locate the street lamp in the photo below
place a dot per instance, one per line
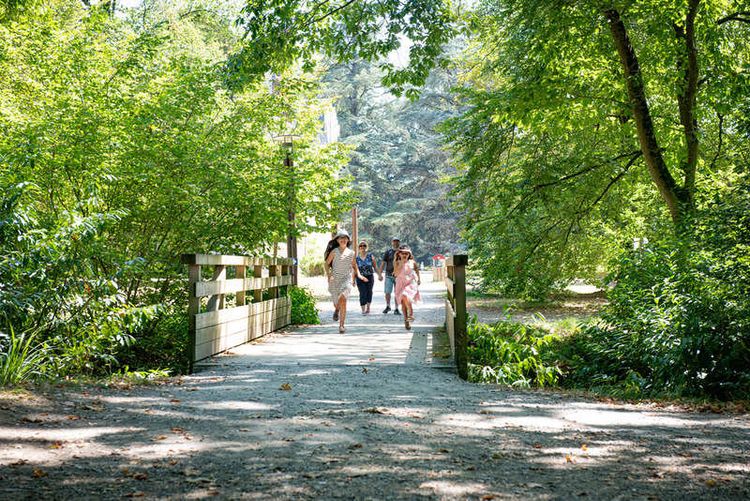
(287, 143)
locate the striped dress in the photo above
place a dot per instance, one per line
(341, 281)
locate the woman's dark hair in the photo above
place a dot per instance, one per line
(329, 248)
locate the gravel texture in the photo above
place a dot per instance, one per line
(312, 414)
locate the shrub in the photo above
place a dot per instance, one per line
(678, 321)
(21, 357)
(312, 266)
(161, 345)
(303, 306)
(510, 353)
(51, 282)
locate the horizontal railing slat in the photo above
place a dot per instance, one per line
(214, 287)
(222, 260)
(449, 285)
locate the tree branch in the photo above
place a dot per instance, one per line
(741, 16)
(686, 98)
(329, 13)
(646, 131)
(584, 171)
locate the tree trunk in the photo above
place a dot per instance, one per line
(686, 100)
(657, 167)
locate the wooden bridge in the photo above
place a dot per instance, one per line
(237, 299)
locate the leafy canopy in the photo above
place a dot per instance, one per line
(279, 33)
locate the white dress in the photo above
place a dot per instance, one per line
(341, 276)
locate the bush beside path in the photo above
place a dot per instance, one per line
(311, 414)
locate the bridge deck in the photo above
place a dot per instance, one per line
(369, 339)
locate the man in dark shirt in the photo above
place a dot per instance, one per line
(390, 280)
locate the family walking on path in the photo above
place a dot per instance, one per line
(344, 269)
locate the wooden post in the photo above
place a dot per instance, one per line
(459, 295)
(273, 271)
(258, 273)
(285, 272)
(194, 307)
(216, 302)
(240, 296)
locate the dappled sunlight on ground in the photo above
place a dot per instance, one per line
(317, 415)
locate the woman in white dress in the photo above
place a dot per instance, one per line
(341, 268)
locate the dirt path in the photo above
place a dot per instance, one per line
(368, 415)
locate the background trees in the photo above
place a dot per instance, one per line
(398, 159)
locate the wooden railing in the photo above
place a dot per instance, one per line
(221, 312)
(455, 311)
(439, 273)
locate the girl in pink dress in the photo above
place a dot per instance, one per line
(406, 270)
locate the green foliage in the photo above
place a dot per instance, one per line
(280, 33)
(678, 322)
(122, 148)
(21, 357)
(554, 182)
(312, 266)
(510, 353)
(304, 311)
(162, 343)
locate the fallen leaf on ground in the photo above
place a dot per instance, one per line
(39, 473)
(177, 429)
(141, 476)
(136, 494)
(175, 400)
(537, 446)
(584, 447)
(56, 445)
(355, 446)
(160, 437)
(73, 418)
(569, 458)
(375, 410)
(711, 482)
(364, 370)
(285, 387)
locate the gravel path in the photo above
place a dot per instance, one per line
(368, 415)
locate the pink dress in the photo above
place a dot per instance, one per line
(406, 283)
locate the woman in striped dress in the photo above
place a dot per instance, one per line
(341, 267)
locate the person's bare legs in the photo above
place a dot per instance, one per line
(342, 313)
(405, 305)
(387, 303)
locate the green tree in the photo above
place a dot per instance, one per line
(591, 123)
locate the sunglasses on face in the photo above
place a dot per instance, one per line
(362, 246)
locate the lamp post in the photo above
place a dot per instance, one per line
(287, 142)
